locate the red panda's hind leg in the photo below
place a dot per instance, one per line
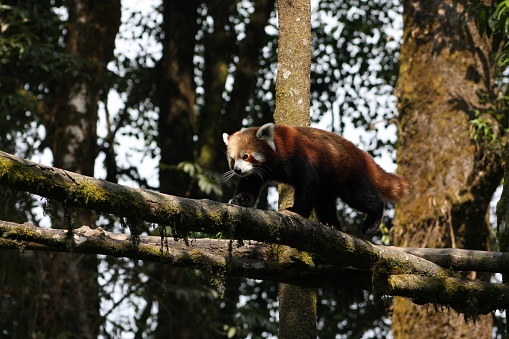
(373, 219)
(305, 195)
(365, 197)
(326, 211)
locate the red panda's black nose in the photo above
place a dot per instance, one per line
(237, 170)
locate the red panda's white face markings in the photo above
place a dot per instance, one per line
(246, 149)
(243, 161)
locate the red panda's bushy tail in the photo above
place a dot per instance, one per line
(391, 186)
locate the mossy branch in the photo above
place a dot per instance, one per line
(468, 297)
(216, 257)
(335, 250)
(206, 216)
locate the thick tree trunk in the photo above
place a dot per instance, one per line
(72, 283)
(444, 71)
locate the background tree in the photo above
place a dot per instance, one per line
(491, 125)
(57, 90)
(446, 76)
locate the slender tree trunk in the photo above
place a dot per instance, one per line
(443, 73)
(297, 305)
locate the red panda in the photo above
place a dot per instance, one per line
(320, 165)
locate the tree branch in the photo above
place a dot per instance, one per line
(468, 297)
(340, 255)
(185, 215)
(463, 260)
(218, 257)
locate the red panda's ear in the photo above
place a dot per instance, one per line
(266, 133)
(225, 138)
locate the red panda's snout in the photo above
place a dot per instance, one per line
(242, 168)
(237, 170)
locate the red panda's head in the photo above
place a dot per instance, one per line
(249, 148)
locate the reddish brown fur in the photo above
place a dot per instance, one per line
(323, 148)
(391, 186)
(321, 165)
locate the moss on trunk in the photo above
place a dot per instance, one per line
(444, 70)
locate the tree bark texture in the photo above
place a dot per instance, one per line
(503, 210)
(294, 63)
(217, 258)
(444, 71)
(503, 220)
(297, 305)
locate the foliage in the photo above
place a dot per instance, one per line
(208, 181)
(490, 123)
(482, 130)
(491, 20)
(33, 59)
(355, 62)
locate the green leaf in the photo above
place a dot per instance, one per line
(187, 167)
(484, 28)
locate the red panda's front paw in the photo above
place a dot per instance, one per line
(244, 199)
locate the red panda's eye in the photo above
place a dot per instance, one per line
(245, 156)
